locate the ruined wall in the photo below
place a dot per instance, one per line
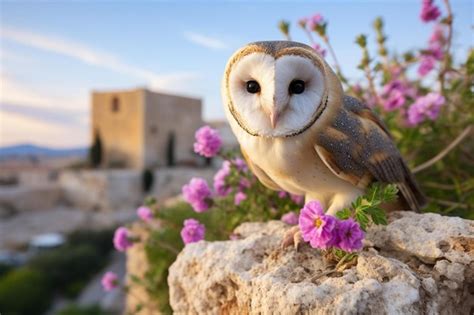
(118, 118)
(167, 115)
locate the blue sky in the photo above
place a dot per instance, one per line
(54, 53)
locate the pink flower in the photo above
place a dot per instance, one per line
(427, 106)
(394, 85)
(290, 218)
(349, 235)
(208, 141)
(438, 36)
(244, 184)
(429, 11)
(320, 50)
(282, 194)
(436, 51)
(145, 213)
(192, 231)
(220, 185)
(316, 227)
(198, 194)
(122, 239)
(240, 164)
(234, 236)
(314, 21)
(299, 200)
(109, 281)
(395, 100)
(239, 197)
(427, 64)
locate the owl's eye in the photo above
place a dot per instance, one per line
(296, 87)
(253, 87)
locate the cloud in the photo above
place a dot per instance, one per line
(14, 92)
(57, 116)
(205, 41)
(91, 56)
(16, 128)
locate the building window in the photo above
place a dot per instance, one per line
(153, 130)
(115, 105)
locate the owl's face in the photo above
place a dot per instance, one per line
(275, 92)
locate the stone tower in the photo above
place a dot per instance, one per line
(144, 129)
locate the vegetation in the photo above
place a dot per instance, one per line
(25, 291)
(148, 179)
(95, 151)
(64, 271)
(425, 97)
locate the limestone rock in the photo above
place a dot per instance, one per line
(418, 264)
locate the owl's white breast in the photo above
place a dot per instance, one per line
(292, 163)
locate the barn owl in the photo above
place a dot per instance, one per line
(300, 133)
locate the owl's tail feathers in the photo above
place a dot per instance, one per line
(412, 194)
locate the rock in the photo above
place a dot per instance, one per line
(418, 264)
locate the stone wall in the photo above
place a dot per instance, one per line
(118, 118)
(136, 127)
(418, 264)
(14, 199)
(120, 189)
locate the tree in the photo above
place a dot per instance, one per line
(95, 151)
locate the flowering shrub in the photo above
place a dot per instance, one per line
(425, 98)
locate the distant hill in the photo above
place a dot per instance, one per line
(25, 150)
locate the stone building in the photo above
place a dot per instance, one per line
(141, 129)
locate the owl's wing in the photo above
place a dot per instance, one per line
(358, 148)
(261, 175)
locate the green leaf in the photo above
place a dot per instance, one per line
(362, 218)
(344, 214)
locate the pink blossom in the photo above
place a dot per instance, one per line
(145, 213)
(427, 106)
(239, 197)
(122, 239)
(290, 218)
(244, 183)
(429, 11)
(234, 236)
(436, 51)
(315, 20)
(208, 141)
(240, 164)
(320, 50)
(282, 194)
(438, 36)
(198, 194)
(220, 186)
(395, 100)
(298, 199)
(394, 85)
(109, 281)
(427, 63)
(349, 235)
(192, 231)
(316, 227)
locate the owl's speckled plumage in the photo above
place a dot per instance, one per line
(326, 146)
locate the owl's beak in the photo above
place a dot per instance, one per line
(274, 115)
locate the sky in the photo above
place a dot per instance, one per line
(54, 53)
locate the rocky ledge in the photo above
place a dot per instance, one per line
(418, 264)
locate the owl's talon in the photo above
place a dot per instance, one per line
(292, 237)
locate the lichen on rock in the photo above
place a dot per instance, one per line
(418, 264)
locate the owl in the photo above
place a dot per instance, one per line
(299, 133)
